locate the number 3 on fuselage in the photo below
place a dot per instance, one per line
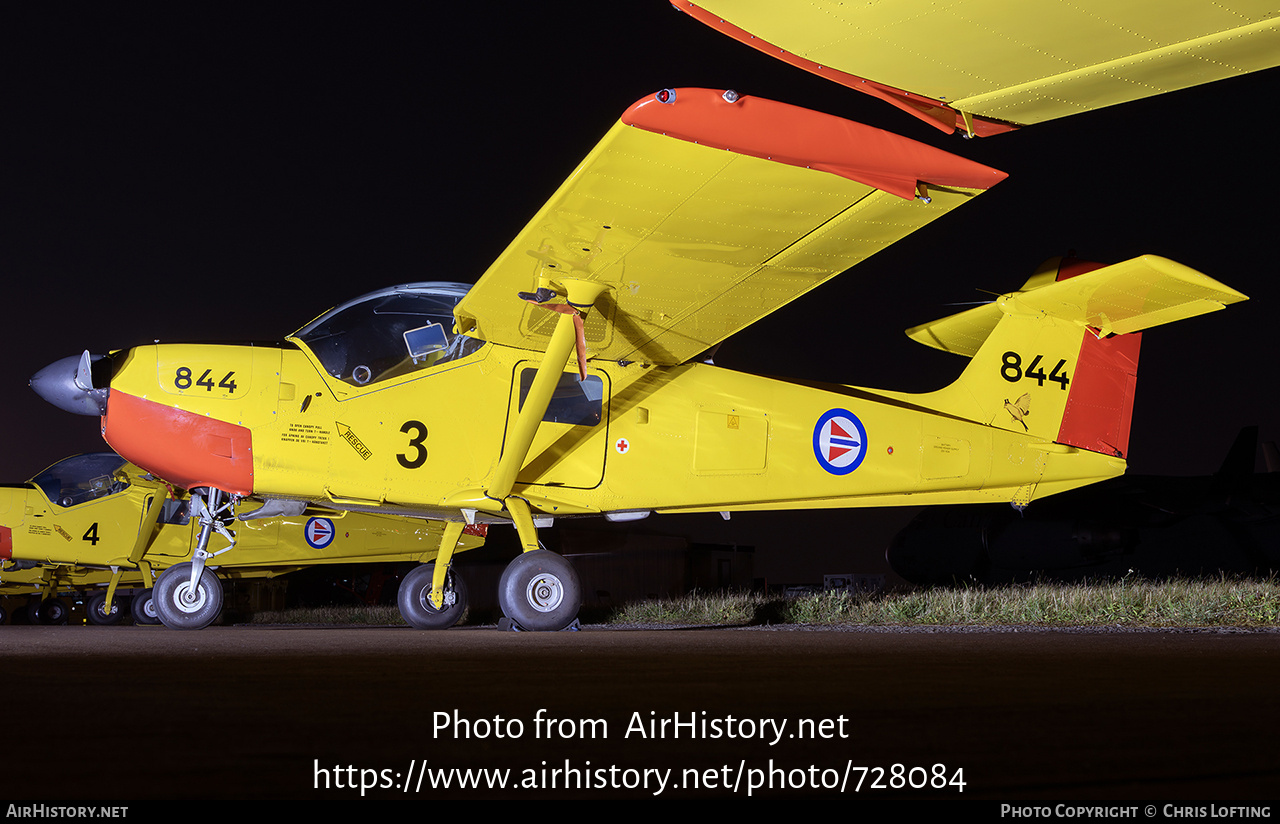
(568, 380)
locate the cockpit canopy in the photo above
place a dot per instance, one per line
(388, 333)
(82, 478)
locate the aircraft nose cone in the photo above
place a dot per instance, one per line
(68, 384)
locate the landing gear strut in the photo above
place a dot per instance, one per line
(415, 604)
(102, 613)
(188, 596)
(539, 590)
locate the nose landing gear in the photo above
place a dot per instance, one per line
(188, 596)
(181, 605)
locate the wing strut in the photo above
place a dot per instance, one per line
(150, 515)
(581, 295)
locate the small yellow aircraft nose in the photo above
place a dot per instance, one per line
(68, 385)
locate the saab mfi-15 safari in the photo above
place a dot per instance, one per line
(97, 524)
(571, 380)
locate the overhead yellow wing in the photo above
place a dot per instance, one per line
(1003, 63)
(701, 212)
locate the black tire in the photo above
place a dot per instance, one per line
(540, 592)
(143, 609)
(99, 614)
(415, 604)
(4, 615)
(51, 611)
(180, 608)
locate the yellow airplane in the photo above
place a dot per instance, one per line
(43, 585)
(97, 522)
(573, 379)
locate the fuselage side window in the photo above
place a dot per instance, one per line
(575, 402)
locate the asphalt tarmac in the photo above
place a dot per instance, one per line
(334, 713)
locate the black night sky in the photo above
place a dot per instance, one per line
(200, 172)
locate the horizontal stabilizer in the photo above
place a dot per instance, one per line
(1058, 359)
(1114, 300)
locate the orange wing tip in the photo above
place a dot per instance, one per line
(936, 113)
(800, 137)
(185, 449)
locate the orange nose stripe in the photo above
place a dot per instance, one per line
(181, 447)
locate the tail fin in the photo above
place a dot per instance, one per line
(1059, 358)
(1241, 457)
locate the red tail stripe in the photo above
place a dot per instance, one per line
(1100, 403)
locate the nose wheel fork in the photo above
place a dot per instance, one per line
(187, 595)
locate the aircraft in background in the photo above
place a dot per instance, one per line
(1153, 526)
(98, 524)
(42, 587)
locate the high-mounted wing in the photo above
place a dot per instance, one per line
(701, 212)
(987, 66)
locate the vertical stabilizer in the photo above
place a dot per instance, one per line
(1059, 358)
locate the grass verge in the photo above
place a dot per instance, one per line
(1179, 603)
(350, 615)
(1218, 602)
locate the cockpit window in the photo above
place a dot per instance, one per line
(82, 478)
(389, 333)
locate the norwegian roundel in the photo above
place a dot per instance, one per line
(839, 441)
(319, 532)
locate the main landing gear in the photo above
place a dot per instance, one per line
(102, 613)
(143, 609)
(49, 612)
(538, 591)
(415, 603)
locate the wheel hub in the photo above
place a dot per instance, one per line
(545, 592)
(188, 599)
(424, 598)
